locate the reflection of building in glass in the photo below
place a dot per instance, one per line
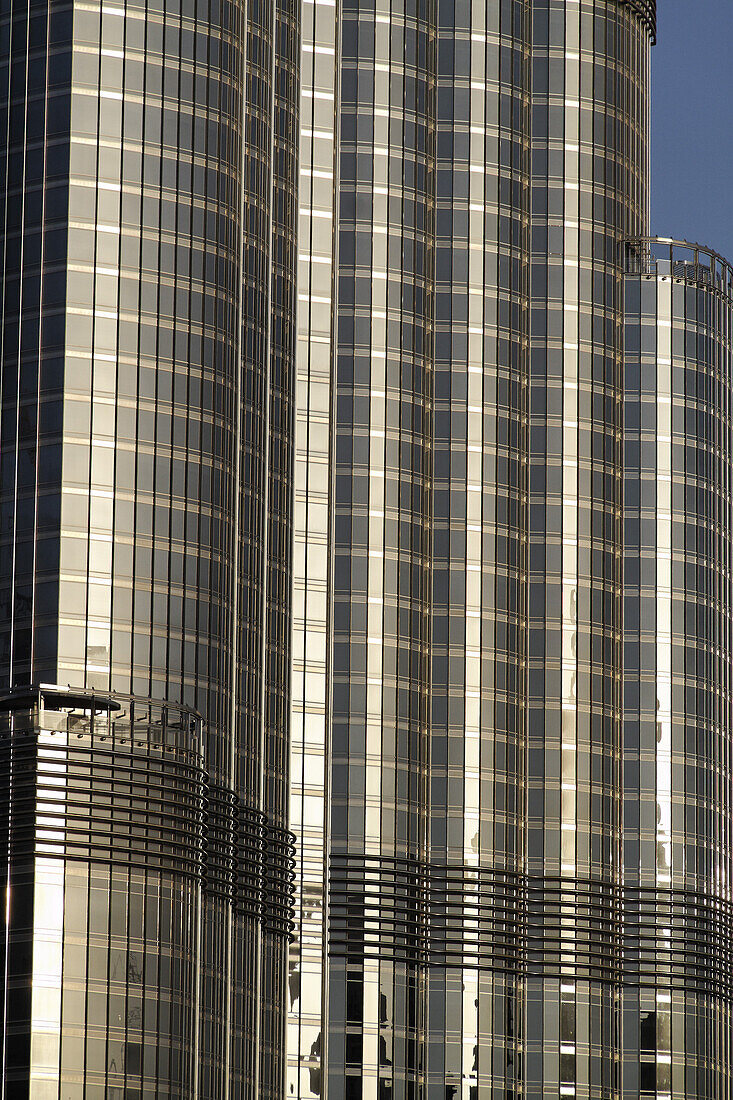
(419, 546)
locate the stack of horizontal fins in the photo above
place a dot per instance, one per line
(490, 920)
(97, 801)
(141, 805)
(222, 849)
(250, 862)
(279, 882)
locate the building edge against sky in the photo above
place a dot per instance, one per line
(472, 901)
(460, 516)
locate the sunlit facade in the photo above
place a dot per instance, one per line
(412, 327)
(365, 472)
(678, 714)
(468, 922)
(590, 182)
(147, 326)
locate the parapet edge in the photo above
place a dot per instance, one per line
(679, 259)
(647, 12)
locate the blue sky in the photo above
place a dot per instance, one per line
(692, 123)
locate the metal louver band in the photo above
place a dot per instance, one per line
(83, 785)
(458, 916)
(88, 779)
(249, 862)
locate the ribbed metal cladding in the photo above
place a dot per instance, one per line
(678, 664)
(647, 11)
(147, 281)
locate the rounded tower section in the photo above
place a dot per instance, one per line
(590, 88)
(474, 859)
(678, 721)
(420, 297)
(146, 312)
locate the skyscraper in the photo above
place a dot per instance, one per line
(479, 910)
(677, 783)
(148, 161)
(365, 471)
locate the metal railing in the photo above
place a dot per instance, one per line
(122, 780)
(668, 258)
(120, 719)
(647, 11)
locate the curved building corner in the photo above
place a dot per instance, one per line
(677, 907)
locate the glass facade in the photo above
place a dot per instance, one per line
(412, 310)
(678, 728)
(147, 324)
(590, 69)
(469, 174)
(364, 471)
(104, 810)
